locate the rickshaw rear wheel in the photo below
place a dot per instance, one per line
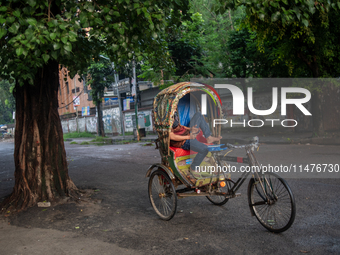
(220, 200)
(162, 195)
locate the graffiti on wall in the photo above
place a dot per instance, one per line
(64, 125)
(72, 124)
(111, 119)
(144, 116)
(91, 124)
(81, 124)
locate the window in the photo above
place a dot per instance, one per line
(77, 90)
(85, 86)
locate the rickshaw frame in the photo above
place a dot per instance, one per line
(170, 177)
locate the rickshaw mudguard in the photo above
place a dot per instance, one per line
(177, 172)
(167, 170)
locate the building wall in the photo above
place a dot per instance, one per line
(91, 124)
(111, 119)
(88, 124)
(144, 120)
(65, 95)
(147, 97)
(81, 124)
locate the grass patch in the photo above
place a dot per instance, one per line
(78, 135)
(99, 139)
(147, 144)
(147, 133)
(84, 143)
(125, 141)
(127, 133)
(100, 144)
(73, 143)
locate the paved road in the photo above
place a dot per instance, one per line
(125, 218)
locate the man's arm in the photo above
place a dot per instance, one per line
(182, 137)
(193, 129)
(178, 137)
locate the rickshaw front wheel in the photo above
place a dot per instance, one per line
(162, 194)
(272, 203)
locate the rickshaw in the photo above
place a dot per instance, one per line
(270, 198)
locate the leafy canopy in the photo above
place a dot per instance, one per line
(307, 31)
(7, 102)
(185, 47)
(35, 32)
(213, 35)
(183, 44)
(101, 76)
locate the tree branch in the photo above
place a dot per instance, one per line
(313, 66)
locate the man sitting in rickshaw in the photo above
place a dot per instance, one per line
(185, 138)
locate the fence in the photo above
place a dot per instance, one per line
(111, 122)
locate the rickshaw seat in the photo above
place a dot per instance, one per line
(179, 152)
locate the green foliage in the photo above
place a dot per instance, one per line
(232, 50)
(184, 48)
(127, 133)
(98, 139)
(78, 135)
(306, 32)
(101, 77)
(84, 143)
(73, 143)
(35, 32)
(156, 73)
(7, 102)
(214, 35)
(254, 39)
(246, 60)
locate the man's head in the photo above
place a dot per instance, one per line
(176, 119)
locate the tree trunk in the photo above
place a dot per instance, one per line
(317, 96)
(41, 171)
(317, 103)
(101, 131)
(231, 21)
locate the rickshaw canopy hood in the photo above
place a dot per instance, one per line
(166, 102)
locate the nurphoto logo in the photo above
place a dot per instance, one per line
(238, 105)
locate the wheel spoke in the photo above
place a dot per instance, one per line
(278, 214)
(161, 194)
(167, 205)
(157, 187)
